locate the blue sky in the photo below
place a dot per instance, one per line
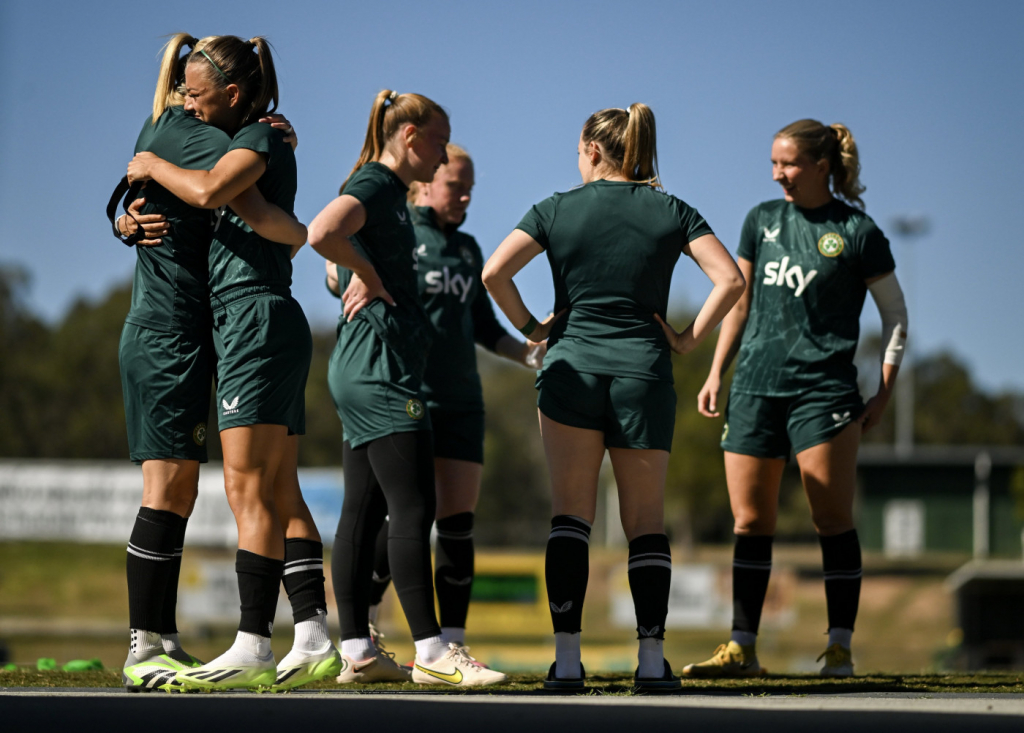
(933, 92)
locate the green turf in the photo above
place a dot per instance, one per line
(617, 684)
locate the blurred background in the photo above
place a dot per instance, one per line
(931, 90)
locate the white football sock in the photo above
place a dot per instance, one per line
(359, 649)
(170, 642)
(744, 638)
(567, 656)
(842, 637)
(311, 635)
(247, 649)
(431, 649)
(651, 659)
(453, 635)
(145, 644)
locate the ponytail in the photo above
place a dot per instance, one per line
(628, 140)
(389, 113)
(846, 166)
(835, 144)
(172, 74)
(231, 60)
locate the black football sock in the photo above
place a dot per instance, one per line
(840, 556)
(453, 568)
(259, 584)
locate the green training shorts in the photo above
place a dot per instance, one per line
(769, 427)
(631, 412)
(264, 348)
(458, 434)
(376, 391)
(165, 378)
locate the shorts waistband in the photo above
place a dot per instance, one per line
(219, 302)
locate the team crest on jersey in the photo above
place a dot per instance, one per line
(414, 409)
(467, 256)
(830, 244)
(199, 434)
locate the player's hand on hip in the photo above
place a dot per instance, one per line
(361, 293)
(543, 329)
(681, 343)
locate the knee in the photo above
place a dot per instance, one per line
(753, 522)
(832, 524)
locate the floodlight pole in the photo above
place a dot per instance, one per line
(907, 228)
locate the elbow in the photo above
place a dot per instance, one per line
(736, 285)
(206, 199)
(315, 235)
(489, 276)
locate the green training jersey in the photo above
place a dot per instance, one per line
(809, 272)
(239, 257)
(388, 242)
(448, 266)
(170, 287)
(612, 246)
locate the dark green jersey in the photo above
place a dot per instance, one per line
(239, 257)
(809, 272)
(612, 246)
(388, 242)
(170, 290)
(449, 264)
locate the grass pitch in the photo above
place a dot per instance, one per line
(613, 684)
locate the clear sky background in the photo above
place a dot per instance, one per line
(933, 91)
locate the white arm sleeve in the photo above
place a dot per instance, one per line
(893, 308)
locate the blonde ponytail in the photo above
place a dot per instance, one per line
(835, 144)
(390, 111)
(628, 140)
(231, 60)
(846, 169)
(172, 74)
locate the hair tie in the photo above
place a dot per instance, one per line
(629, 110)
(203, 52)
(392, 97)
(252, 42)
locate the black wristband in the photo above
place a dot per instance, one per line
(530, 327)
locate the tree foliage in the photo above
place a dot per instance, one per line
(60, 397)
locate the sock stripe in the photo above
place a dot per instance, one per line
(303, 568)
(570, 533)
(753, 564)
(305, 560)
(633, 565)
(148, 554)
(655, 555)
(450, 535)
(843, 574)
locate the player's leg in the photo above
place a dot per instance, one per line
(312, 655)
(574, 458)
(166, 383)
(640, 477)
(362, 515)
(381, 577)
(755, 444)
(253, 455)
(828, 471)
(458, 489)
